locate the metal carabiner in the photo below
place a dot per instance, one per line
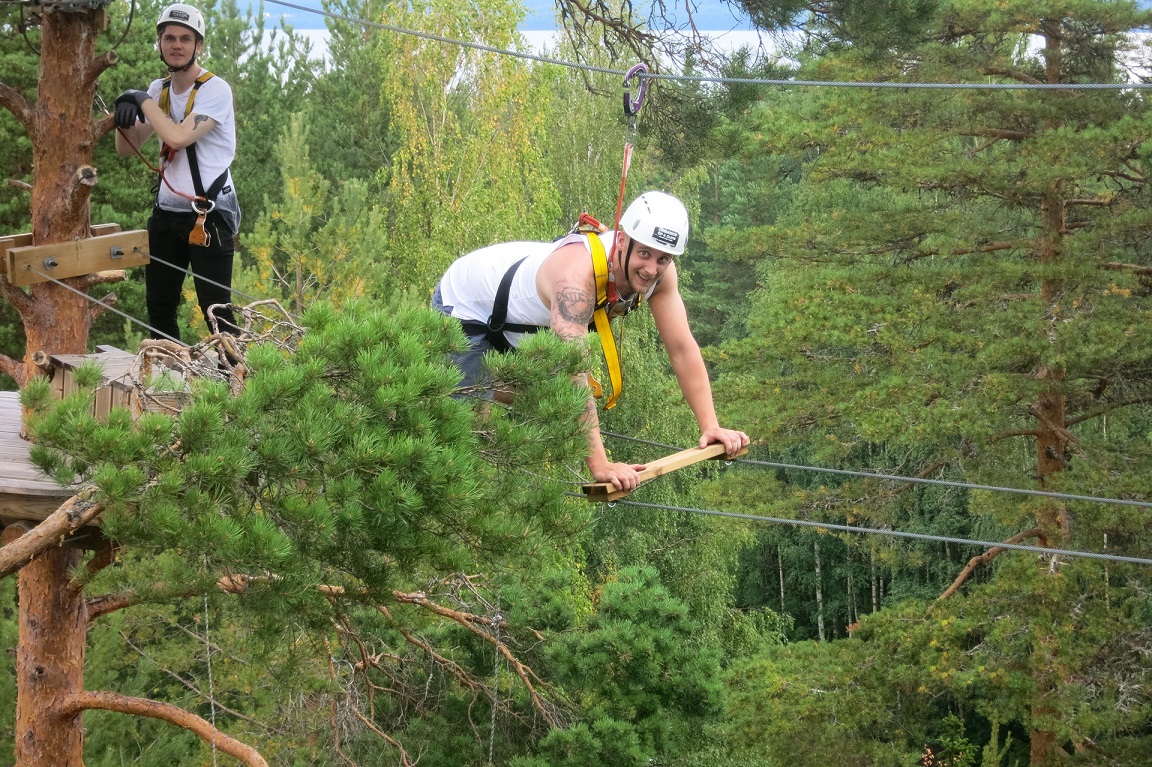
(632, 106)
(203, 207)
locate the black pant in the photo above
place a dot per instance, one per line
(168, 241)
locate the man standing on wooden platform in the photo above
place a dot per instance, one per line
(197, 215)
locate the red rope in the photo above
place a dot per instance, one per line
(158, 171)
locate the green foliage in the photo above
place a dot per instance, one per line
(942, 267)
(467, 157)
(346, 459)
(310, 245)
(636, 670)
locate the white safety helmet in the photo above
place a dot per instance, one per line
(184, 15)
(658, 220)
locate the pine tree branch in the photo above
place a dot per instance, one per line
(98, 308)
(99, 278)
(20, 300)
(102, 605)
(1093, 201)
(477, 624)
(1108, 409)
(999, 133)
(1012, 74)
(1116, 266)
(920, 475)
(983, 559)
(1018, 433)
(22, 185)
(405, 760)
(14, 101)
(165, 712)
(469, 621)
(73, 514)
(13, 369)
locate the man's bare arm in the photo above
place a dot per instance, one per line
(572, 296)
(174, 134)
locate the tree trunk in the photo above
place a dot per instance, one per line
(1052, 443)
(53, 618)
(49, 661)
(819, 595)
(63, 137)
(780, 565)
(875, 585)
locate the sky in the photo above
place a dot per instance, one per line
(712, 15)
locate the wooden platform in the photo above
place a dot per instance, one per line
(25, 493)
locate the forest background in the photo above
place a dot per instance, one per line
(948, 284)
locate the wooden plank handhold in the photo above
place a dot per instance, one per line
(600, 492)
(38, 263)
(24, 239)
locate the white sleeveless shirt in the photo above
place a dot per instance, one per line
(470, 284)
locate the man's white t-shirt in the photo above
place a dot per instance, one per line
(215, 151)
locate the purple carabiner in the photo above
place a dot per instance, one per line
(632, 106)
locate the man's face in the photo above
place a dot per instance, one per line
(178, 44)
(645, 266)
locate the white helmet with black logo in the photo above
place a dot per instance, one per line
(184, 15)
(658, 220)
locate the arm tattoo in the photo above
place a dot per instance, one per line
(197, 119)
(575, 305)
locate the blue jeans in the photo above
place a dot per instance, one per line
(470, 362)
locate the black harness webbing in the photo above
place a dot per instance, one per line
(497, 321)
(197, 182)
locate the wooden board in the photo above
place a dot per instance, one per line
(24, 240)
(59, 260)
(599, 492)
(21, 483)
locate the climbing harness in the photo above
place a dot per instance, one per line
(204, 201)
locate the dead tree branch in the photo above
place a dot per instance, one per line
(165, 712)
(13, 369)
(14, 101)
(73, 514)
(983, 559)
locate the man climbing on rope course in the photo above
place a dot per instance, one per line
(503, 291)
(196, 215)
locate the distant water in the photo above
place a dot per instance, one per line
(541, 40)
(541, 14)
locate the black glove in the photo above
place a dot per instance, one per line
(128, 106)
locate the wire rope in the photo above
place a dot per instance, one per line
(211, 688)
(913, 480)
(888, 533)
(709, 78)
(113, 309)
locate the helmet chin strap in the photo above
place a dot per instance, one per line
(627, 263)
(184, 68)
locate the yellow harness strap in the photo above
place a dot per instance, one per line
(603, 324)
(199, 236)
(166, 100)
